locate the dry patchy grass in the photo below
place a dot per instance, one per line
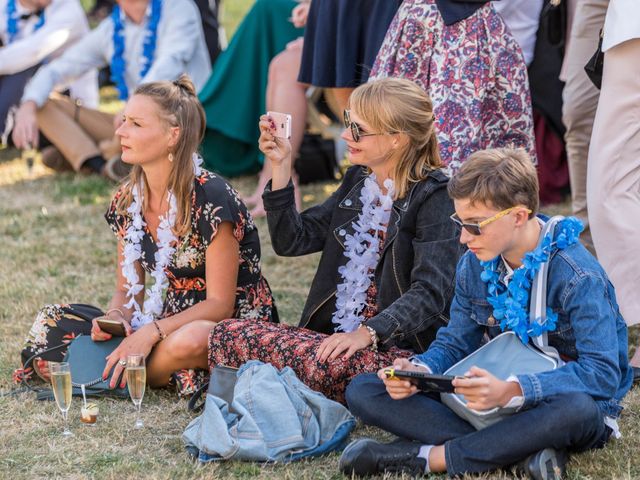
(55, 246)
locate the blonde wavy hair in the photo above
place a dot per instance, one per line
(179, 107)
(396, 105)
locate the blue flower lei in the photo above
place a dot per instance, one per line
(511, 303)
(13, 19)
(118, 64)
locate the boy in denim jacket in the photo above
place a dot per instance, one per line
(572, 408)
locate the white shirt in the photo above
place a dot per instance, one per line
(180, 48)
(522, 17)
(65, 24)
(622, 23)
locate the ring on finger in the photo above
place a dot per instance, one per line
(123, 363)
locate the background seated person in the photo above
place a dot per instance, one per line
(33, 32)
(385, 278)
(571, 408)
(141, 41)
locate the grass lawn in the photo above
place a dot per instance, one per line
(55, 247)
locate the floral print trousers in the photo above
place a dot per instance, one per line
(234, 342)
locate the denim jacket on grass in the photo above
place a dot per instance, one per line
(415, 275)
(591, 334)
(273, 417)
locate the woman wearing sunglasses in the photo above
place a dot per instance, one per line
(385, 277)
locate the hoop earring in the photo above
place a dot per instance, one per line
(170, 157)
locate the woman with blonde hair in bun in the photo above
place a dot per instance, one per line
(184, 226)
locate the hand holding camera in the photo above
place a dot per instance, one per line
(275, 131)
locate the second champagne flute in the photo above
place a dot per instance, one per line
(136, 382)
(61, 384)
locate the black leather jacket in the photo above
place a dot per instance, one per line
(415, 275)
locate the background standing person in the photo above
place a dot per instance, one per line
(613, 176)
(341, 42)
(580, 100)
(467, 61)
(33, 32)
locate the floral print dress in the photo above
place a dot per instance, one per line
(233, 342)
(214, 201)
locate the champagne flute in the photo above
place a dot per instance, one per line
(136, 381)
(61, 384)
(28, 156)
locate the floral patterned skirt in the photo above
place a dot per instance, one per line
(234, 342)
(474, 72)
(56, 324)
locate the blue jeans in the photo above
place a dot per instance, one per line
(569, 421)
(12, 87)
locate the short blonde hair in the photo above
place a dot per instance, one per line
(501, 178)
(399, 105)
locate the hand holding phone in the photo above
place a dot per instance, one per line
(426, 382)
(281, 124)
(113, 327)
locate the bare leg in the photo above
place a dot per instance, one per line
(341, 96)
(284, 94)
(437, 461)
(184, 348)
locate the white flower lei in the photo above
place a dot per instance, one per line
(363, 251)
(133, 252)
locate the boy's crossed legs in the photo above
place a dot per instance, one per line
(563, 422)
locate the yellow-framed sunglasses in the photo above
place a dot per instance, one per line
(476, 228)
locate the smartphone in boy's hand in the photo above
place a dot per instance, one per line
(426, 382)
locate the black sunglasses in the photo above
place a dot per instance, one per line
(355, 128)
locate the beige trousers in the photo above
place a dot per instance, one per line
(78, 132)
(613, 182)
(580, 99)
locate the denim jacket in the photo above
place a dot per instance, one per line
(415, 274)
(591, 334)
(273, 417)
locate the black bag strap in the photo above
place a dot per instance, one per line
(193, 405)
(42, 393)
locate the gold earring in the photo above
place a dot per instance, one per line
(170, 157)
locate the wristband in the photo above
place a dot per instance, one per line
(114, 310)
(374, 336)
(160, 332)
